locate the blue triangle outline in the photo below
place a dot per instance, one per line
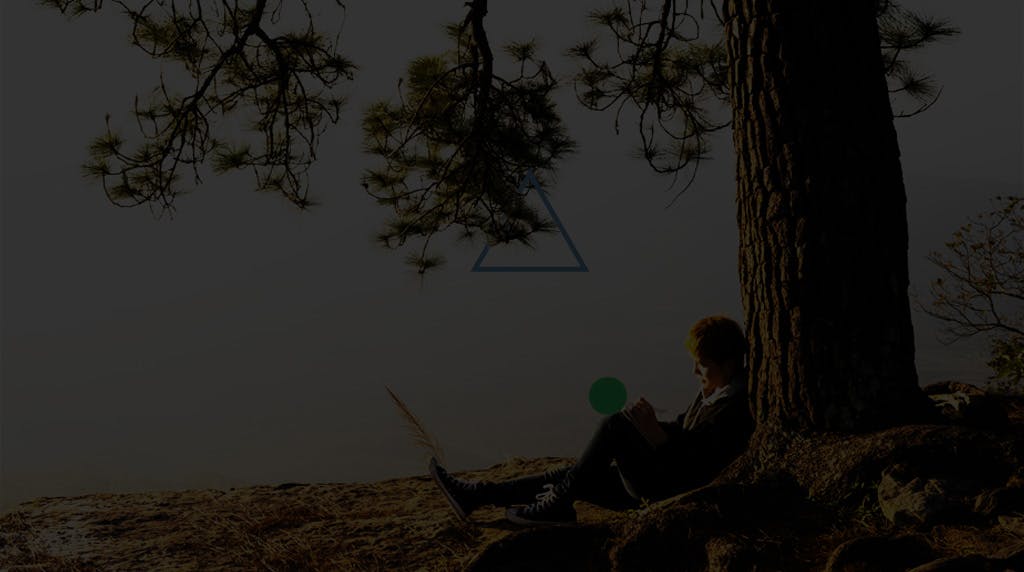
(581, 267)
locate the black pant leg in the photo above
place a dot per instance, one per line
(617, 439)
(606, 489)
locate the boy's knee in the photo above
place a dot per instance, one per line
(616, 421)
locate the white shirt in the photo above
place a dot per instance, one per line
(719, 393)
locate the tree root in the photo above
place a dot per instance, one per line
(798, 502)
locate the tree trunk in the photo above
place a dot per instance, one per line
(822, 217)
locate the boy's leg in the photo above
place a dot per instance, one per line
(616, 467)
(465, 496)
(637, 472)
(652, 474)
(522, 490)
(608, 490)
(616, 439)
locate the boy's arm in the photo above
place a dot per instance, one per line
(648, 426)
(720, 435)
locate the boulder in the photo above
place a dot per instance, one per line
(946, 387)
(731, 554)
(972, 563)
(546, 549)
(1012, 524)
(1013, 556)
(966, 404)
(909, 500)
(1004, 500)
(880, 554)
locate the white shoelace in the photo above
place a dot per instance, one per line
(548, 494)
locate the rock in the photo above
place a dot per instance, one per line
(914, 501)
(972, 563)
(880, 554)
(1013, 558)
(669, 538)
(966, 404)
(952, 387)
(1004, 500)
(729, 554)
(546, 549)
(286, 486)
(1013, 524)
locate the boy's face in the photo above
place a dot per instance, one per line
(711, 374)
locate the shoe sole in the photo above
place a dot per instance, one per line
(447, 495)
(511, 516)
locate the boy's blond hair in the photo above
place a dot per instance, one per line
(718, 339)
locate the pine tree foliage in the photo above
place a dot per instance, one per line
(244, 66)
(453, 148)
(667, 61)
(664, 68)
(902, 33)
(982, 287)
(456, 145)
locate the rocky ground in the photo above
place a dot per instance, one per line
(398, 524)
(897, 500)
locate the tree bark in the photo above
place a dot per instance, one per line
(822, 217)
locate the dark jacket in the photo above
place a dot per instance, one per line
(705, 439)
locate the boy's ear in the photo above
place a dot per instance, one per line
(740, 363)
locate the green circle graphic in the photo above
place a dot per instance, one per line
(607, 395)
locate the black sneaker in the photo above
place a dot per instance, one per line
(553, 508)
(464, 496)
(555, 475)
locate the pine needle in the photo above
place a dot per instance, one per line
(419, 434)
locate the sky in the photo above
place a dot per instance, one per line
(244, 342)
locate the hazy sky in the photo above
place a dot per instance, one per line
(244, 342)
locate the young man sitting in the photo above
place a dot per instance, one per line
(633, 455)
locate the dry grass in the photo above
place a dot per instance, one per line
(964, 540)
(420, 436)
(25, 551)
(394, 525)
(405, 524)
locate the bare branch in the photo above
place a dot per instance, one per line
(982, 290)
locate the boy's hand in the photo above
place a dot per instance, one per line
(642, 415)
